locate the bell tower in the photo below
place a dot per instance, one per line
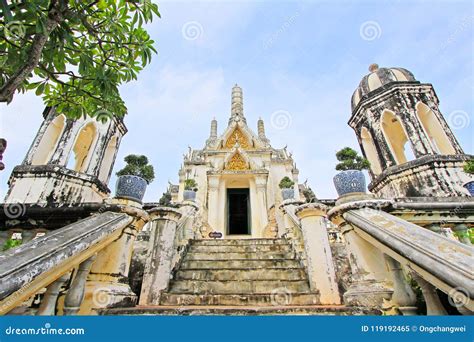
(69, 161)
(401, 131)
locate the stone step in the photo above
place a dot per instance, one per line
(239, 248)
(232, 264)
(238, 242)
(237, 256)
(316, 310)
(237, 286)
(242, 274)
(261, 299)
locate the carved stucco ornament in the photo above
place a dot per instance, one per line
(237, 137)
(237, 162)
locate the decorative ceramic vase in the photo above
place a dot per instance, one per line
(470, 187)
(349, 181)
(288, 193)
(189, 195)
(130, 187)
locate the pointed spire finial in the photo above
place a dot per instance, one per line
(237, 104)
(213, 134)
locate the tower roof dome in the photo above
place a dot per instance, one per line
(377, 78)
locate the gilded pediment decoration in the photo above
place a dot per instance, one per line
(237, 136)
(237, 162)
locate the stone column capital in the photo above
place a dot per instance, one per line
(128, 207)
(164, 213)
(311, 209)
(189, 204)
(376, 204)
(289, 202)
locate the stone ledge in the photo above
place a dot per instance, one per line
(164, 213)
(22, 171)
(429, 160)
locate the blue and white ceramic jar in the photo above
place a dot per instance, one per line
(349, 181)
(288, 193)
(130, 187)
(470, 187)
(189, 195)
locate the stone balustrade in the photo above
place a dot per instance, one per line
(98, 248)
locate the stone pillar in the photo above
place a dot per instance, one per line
(213, 203)
(433, 304)
(261, 188)
(48, 303)
(290, 229)
(75, 294)
(188, 210)
(369, 272)
(370, 276)
(403, 296)
(107, 284)
(322, 276)
(160, 256)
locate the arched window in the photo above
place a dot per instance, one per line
(48, 142)
(370, 151)
(107, 160)
(396, 137)
(82, 148)
(435, 132)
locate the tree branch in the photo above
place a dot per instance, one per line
(55, 16)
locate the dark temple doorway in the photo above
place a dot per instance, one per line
(238, 211)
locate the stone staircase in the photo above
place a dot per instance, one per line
(249, 272)
(239, 277)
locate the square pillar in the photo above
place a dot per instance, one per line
(322, 276)
(159, 264)
(107, 283)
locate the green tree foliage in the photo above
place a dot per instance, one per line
(286, 183)
(190, 184)
(11, 243)
(165, 200)
(138, 166)
(309, 195)
(75, 54)
(350, 160)
(469, 166)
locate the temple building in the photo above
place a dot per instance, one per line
(239, 235)
(237, 175)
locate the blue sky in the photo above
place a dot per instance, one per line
(303, 59)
